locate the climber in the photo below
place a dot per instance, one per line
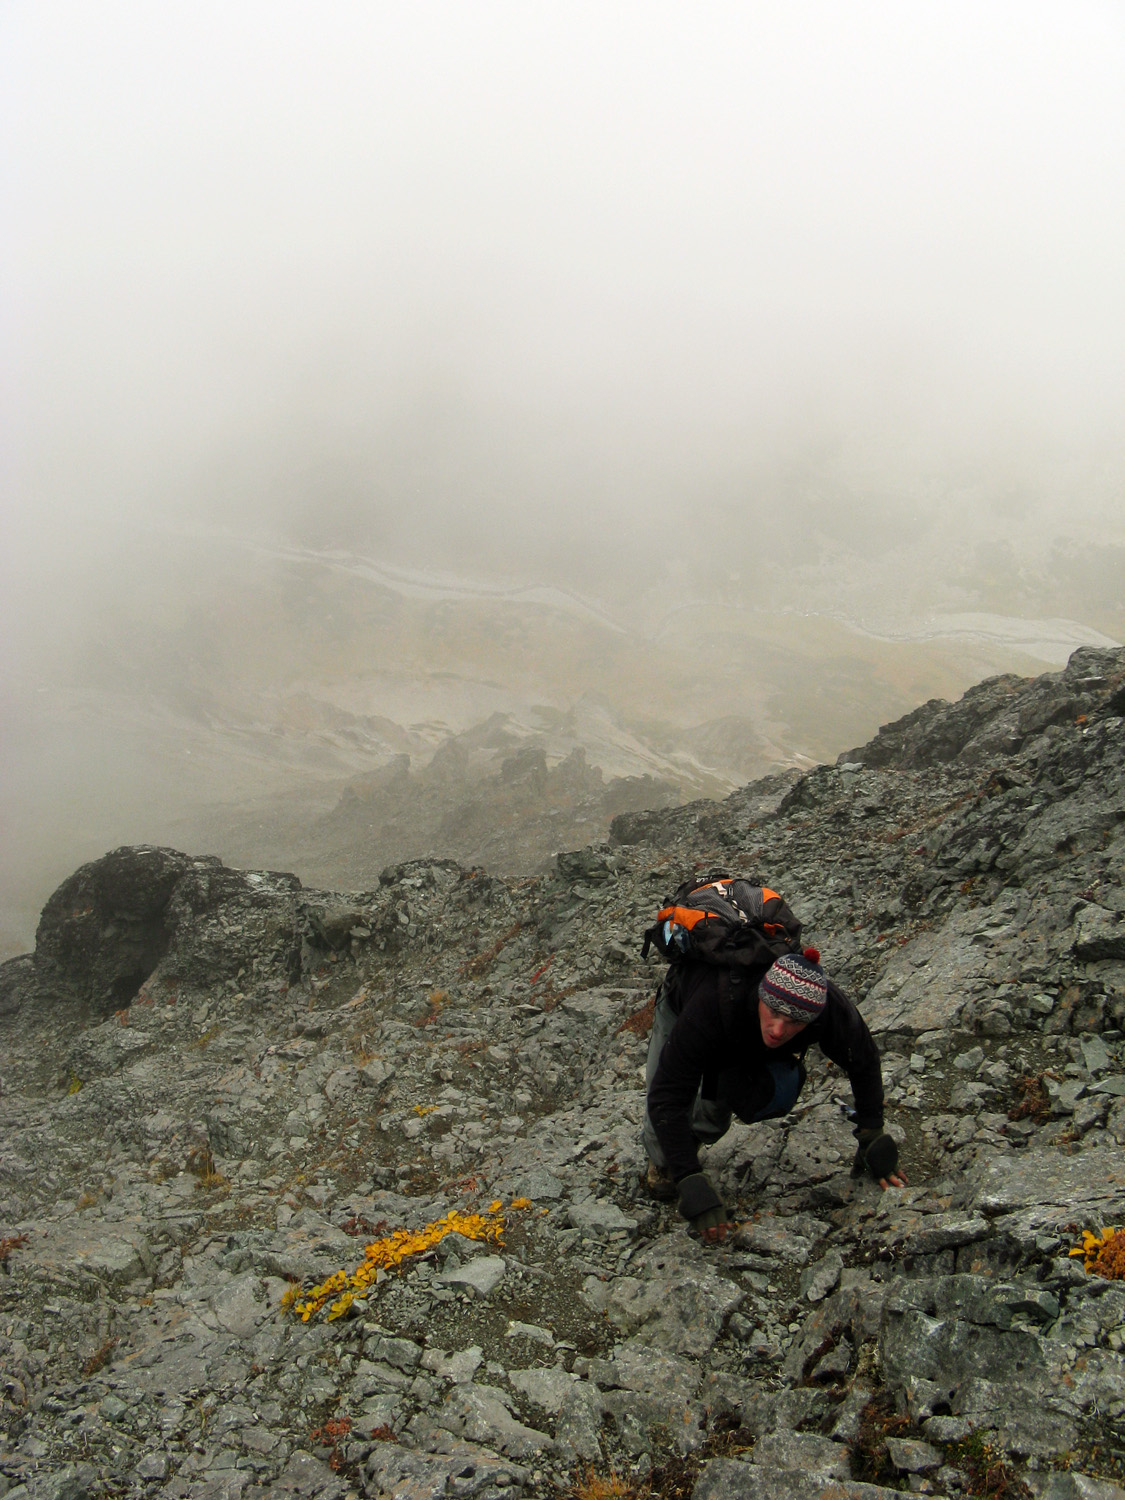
(718, 1049)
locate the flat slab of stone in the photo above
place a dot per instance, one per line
(547, 1388)
(1056, 1485)
(637, 1367)
(678, 1302)
(1098, 934)
(804, 1451)
(924, 987)
(598, 1216)
(732, 1479)
(910, 1456)
(482, 1275)
(393, 1472)
(480, 1413)
(239, 1306)
(773, 1238)
(306, 1478)
(1043, 1179)
(117, 1254)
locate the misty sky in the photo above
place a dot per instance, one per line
(421, 273)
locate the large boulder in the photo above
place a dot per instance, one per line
(142, 912)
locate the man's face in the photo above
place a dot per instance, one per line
(776, 1029)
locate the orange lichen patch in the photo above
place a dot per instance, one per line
(389, 1253)
(8, 1243)
(424, 1109)
(482, 961)
(640, 1021)
(100, 1357)
(1103, 1254)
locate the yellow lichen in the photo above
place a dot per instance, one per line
(1103, 1254)
(389, 1253)
(340, 1306)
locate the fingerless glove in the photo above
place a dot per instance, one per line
(700, 1203)
(876, 1153)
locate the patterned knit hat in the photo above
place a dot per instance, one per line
(795, 986)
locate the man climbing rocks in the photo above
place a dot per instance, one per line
(728, 1047)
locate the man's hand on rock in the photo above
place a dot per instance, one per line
(877, 1153)
(701, 1205)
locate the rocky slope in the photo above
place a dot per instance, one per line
(218, 1088)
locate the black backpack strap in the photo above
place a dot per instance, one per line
(733, 991)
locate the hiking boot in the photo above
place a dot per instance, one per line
(658, 1183)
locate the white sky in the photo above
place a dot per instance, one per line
(537, 265)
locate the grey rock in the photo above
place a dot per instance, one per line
(912, 1457)
(598, 1216)
(1095, 1054)
(678, 1306)
(578, 1428)
(305, 1477)
(772, 1238)
(482, 1275)
(547, 1388)
(845, 1428)
(375, 1073)
(637, 1367)
(803, 1451)
(1056, 1485)
(393, 1472)
(925, 984)
(459, 1367)
(71, 1482)
(1098, 934)
(733, 1479)
(1049, 1179)
(819, 1279)
(239, 1305)
(481, 1413)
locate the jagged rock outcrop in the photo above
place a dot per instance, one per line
(145, 913)
(216, 1087)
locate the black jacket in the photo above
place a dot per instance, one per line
(717, 1042)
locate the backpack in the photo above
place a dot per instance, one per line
(725, 922)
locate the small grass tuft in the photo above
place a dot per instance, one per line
(201, 1165)
(988, 1469)
(1034, 1102)
(100, 1357)
(603, 1487)
(878, 1421)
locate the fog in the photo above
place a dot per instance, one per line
(419, 272)
(583, 293)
